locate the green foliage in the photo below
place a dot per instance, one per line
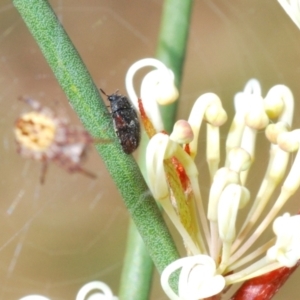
(85, 99)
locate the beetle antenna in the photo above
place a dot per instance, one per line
(103, 92)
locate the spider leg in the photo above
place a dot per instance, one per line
(43, 172)
(31, 102)
(86, 173)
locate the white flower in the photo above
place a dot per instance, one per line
(292, 8)
(197, 280)
(215, 249)
(94, 290)
(287, 247)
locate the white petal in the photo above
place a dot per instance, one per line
(197, 278)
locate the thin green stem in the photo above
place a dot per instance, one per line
(137, 268)
(137, 272)
(85, 99)
(172, 46)
(171, 50)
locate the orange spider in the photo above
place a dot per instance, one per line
(43, 136)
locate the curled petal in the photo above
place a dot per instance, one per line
(160, 85)
(253, 87)
(215, 116)
(197, 280)
(198, 112)
(95, 290)
(287, 247)
(279, 103)
(157, 87)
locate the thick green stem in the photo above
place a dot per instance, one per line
(172, 47)
(85, 99)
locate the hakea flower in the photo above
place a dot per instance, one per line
(292, 8)
(94, 290)
(215, 247)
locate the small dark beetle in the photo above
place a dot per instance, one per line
(126, 122)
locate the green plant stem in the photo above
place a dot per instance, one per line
(137, 262)
(172, 45)
(171, 50)
(137, 268)
(85, 99)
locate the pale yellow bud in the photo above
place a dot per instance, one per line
(182, 132)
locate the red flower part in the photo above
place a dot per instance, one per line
(184, 179)
(264, 287)
(149, 128)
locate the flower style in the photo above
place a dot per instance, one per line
(215, 246)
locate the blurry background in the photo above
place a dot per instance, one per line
(72, 230)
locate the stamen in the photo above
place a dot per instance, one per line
(232, 199)
(290, 142)
(279, 103)
(216, 113)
